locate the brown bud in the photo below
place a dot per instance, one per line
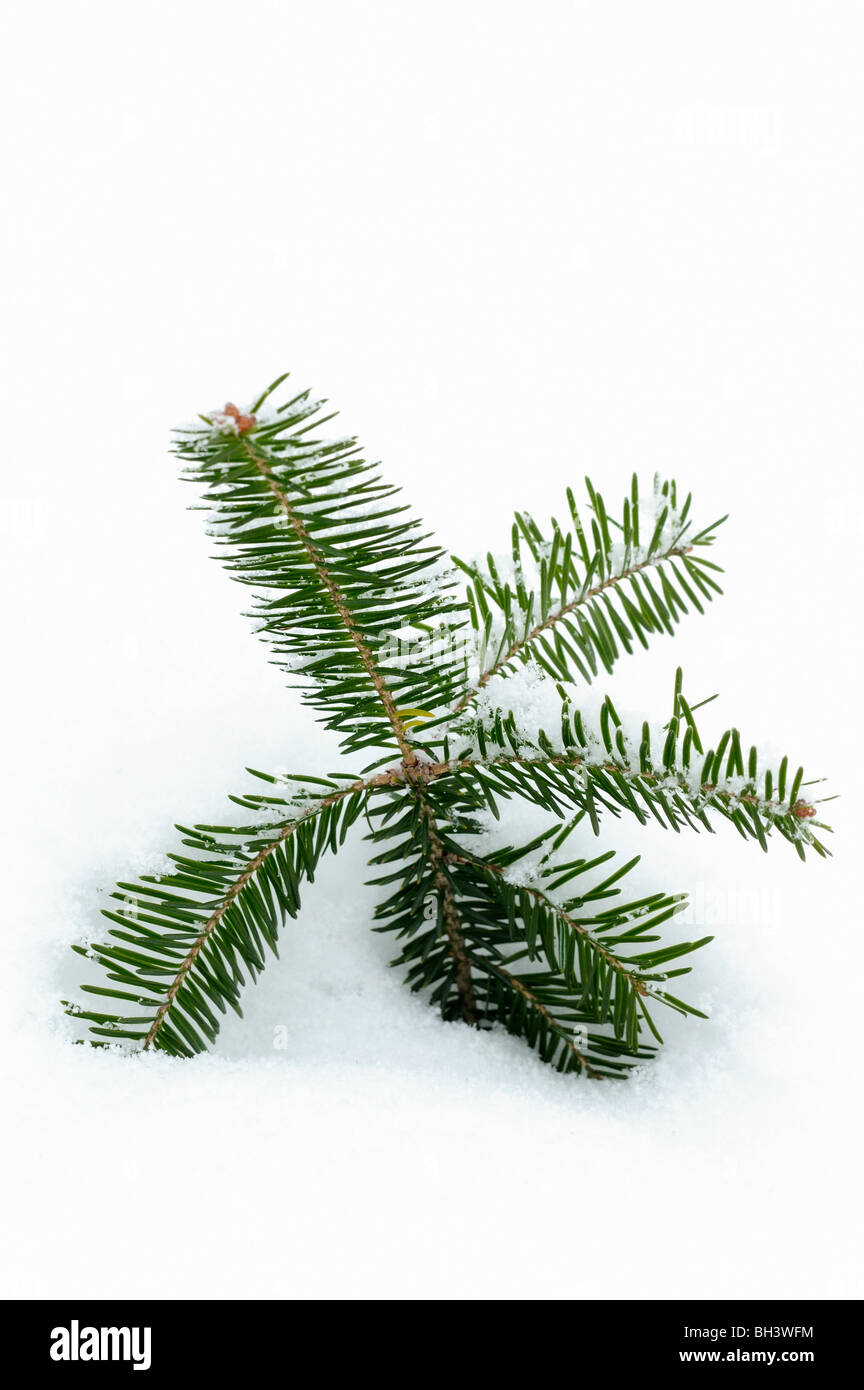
(802, 810)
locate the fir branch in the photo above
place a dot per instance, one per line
(596, 765)
(191, 941)
(338, 600)
(336, 563)
(543, 604)
(521, 646)
(235, 889)
(337, 567)
(633, 981)
(706, 796)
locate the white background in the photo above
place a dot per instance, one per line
(512, 243)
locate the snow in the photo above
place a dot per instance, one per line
(534, 278)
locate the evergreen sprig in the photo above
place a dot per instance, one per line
(366, 613)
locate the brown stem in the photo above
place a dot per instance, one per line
(429, 772)
(449, 909)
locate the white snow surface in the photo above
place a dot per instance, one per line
(593, 244)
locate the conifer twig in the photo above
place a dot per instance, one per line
(338, 601)
(552, 618)
(337, 569)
